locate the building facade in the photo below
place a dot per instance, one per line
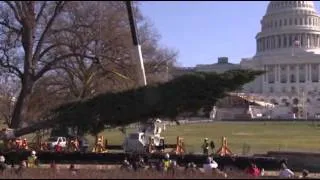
(288, 49)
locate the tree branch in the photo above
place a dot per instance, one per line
(9, 67)
(57, 10)
(9, 27)
(49, 65)
(14, 11)
(49, 48)
(41, 11)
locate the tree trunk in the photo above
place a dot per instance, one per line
(22, 101)
(27, 40)
(38, 126)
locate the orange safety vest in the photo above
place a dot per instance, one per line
(24, 144)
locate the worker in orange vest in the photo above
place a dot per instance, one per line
(24, 144)
(76, 144)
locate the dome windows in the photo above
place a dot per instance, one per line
(285, 41)
(299, 3)
(290, 40)
(309, 21)
(306, 21)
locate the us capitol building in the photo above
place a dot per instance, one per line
(288, 49)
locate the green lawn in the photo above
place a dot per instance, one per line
(260, 136)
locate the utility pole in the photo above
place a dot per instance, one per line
(137, 53)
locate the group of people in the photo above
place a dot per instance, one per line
(209, 167)
(166, 165)
(30, 162)
(18, 144)
(206, 146)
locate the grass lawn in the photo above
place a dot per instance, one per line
(259, 136)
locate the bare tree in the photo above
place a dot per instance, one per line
(61, 51)
(31, 34)
(8, 88)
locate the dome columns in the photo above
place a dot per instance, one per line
(287, 41)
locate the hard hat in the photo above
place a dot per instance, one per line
(2, 159)
(25, 139)
(33, 152)
(167, 156)
(158, 120)
(206, 139)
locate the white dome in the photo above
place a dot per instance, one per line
(289, 24)
(280, 6)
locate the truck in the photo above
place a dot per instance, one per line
(53, 141)
(138, 142)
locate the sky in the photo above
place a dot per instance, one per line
(202, 31)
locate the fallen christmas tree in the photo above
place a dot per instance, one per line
(187, 93)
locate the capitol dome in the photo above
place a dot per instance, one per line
(280, 6)
(287, 25)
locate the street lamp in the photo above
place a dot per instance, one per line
(136, 46)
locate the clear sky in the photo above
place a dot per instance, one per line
(202, 31)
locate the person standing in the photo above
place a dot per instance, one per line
(2, 163)
(166, 163)
(205, 147)
(253, 170)
(212, 146)
(32, 160)
(285, 172)
(211, 166)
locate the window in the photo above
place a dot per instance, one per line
(301, 67)
(309, 21)
(314, 73)
(295, 21)
(285, 41)
(284, 89)
(292, 67)
(300, 21)
(271, 89)
(284, 101)
(295, 101)
(306, 21)
(275, 24)
(308, 101)
(301, 89)
(280, 22)
(292, 78)
(293, 89)
(302, 77)
(290, 40)
(279, 41)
